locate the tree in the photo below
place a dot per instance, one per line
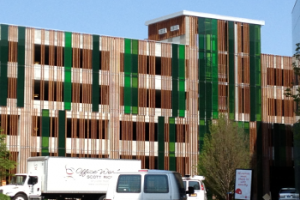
(225, 149)
(5, 163)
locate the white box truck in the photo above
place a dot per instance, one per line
(61, 177)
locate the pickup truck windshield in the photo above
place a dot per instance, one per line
(18, 180)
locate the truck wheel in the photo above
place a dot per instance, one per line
(20, 197)
(102, 197)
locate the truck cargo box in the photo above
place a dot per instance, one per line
(77, 175)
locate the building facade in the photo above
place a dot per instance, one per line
(81, 95)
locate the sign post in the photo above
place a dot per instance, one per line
(243, 181)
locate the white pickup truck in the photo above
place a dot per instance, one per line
(60, 177)
(196, 182)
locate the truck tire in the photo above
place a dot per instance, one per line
(101, 197)
(20, 197)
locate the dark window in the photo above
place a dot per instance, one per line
(157, 98)
(57, 50)
(129, 184)
(32, 180)
(158, 65)
(133, 131)
(194, 184)
(156, 184)
(69, 125)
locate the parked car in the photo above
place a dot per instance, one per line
(196, 182)
(288, 194)
(146, 184)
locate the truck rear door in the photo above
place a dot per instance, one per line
(129, 187)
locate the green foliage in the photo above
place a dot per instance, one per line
(4, 197)
(225, 149)
(5, 163)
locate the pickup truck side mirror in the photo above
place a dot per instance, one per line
(191, 190)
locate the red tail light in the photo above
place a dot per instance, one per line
(202, 187)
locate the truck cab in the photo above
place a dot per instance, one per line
(23, 187)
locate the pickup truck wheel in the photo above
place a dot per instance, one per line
(20, 197)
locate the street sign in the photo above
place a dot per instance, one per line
(243, 180)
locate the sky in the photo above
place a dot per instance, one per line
(126, 18)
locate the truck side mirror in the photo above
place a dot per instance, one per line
(191, 190)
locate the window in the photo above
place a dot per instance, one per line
(175, 28)
(156, 184)
(194, 184)
(18, 180)
(162, 31)
(32, 180)
(129, 184)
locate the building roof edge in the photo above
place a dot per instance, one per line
(206, 15)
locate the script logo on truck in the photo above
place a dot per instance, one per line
(69, 172)
(88, 173)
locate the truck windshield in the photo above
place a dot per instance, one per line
(18, 180)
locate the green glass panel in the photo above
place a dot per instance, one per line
(61, 133)
(208, 100)
(161, 142)
(202, 99)
(231, 70)
(68, 71)
(3, 64)
(172, 140)
(181, 75)
(208, 74)
(214, 65)
(175, 80)
(208, 42)
(257, 41)
(201, 33)
(135, 51)
(252, 90)
(258, 89)
(208, 66)
(45, 132)
(255, 72)
(127, 76)
(201, 89)
(96, 67)
(208, 34)
(21, 67)
(201, 77)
